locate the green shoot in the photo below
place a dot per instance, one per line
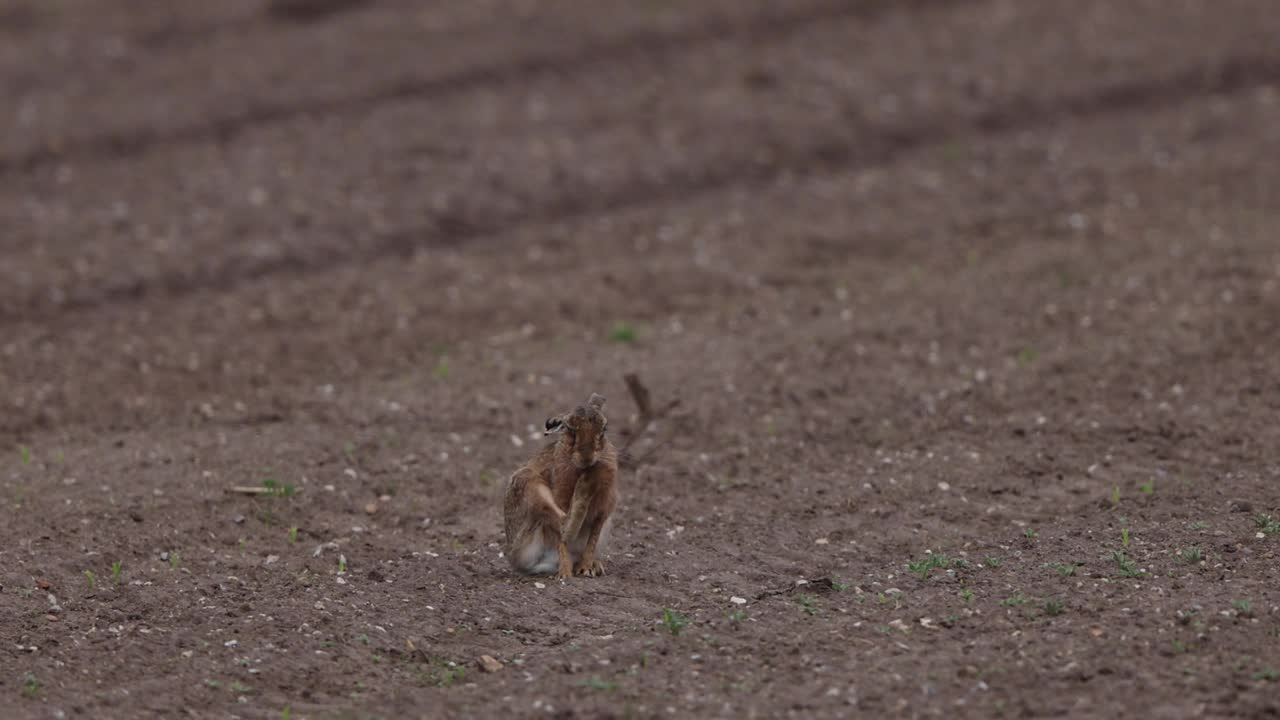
(1127, 567)
(30, 686)
(622, 332)
(276, 489)
(673, 621)
(809, 605)
(595, 683)
(1267, 524)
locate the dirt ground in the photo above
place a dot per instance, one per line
(971, 307)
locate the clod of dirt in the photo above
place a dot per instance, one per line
(489, 664)
(371, 508)
(43, 584)
(1241, 506)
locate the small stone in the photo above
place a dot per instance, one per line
(540, 586)
(944, 486)
(1241, 506)
(51, 617)
(164, 557)
(371, 508)
(738, 600)
(238, 519)
(822, 541)
(489, 664)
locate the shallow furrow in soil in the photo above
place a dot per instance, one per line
(123, 145)
(741, 166)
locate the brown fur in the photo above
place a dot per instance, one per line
(564, 496)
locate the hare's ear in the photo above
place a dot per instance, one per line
(596, 401)
(554, 426)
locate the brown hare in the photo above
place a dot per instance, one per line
(558, 504)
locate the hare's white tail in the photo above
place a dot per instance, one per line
(536, 558)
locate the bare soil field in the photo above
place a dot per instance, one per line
(962, 317)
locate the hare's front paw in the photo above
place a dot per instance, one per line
(589, 567)
(566, 570)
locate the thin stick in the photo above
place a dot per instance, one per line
(640, 394)
(247, 490)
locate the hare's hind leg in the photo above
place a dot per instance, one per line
(540, 547)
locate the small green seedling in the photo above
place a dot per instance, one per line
(1191, 555)
(175, 559)
(1053, 607)
(1124, 537)
(1199, 525)
(117, 568)
(595, 683)
(1267, 524)
(449, 674)
(275, 488)
(933, 561)
(1030, 533)
(1148, 487)
(966, 595)
(93, 579)
(1026, 356)
(1115, 495)
(673, 621)
(1127, 567)
(808, 604)
(30, 686)
(441, 371)
(1066, 569)
(992, 561)
(1014, 600)
(286, 713)
(1243, 607)
(622, 332)
(240, 688)
(293, 534)
(342, 564)
(24, 454)
(1267, 674)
